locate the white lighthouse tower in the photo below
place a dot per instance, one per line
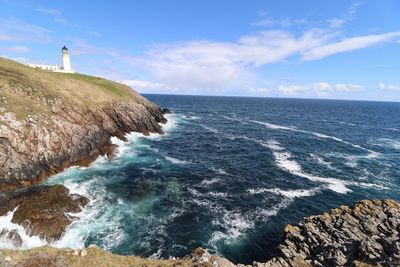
(66, 68)
(66, 61)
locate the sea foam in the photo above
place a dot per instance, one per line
(284, 160)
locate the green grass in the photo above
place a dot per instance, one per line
(24, 89)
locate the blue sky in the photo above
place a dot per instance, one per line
(313, 49)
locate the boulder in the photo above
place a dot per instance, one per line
(43, 210)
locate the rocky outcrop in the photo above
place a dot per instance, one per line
(201, 257)
(41, 145)
(43, 211)
(367, 233)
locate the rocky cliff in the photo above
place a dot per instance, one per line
(49, 121)
(368, 233)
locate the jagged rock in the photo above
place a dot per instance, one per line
(42, 211)
(166, 111)
(367, 234)
(202, 258)
(11, 235)
(31, 150)
(52, 122)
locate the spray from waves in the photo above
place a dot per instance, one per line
(235, 119)
(393, 129)
(175, 160)
(346, 123)
(210, 182)
(322, 161)
(100, 216)
(319, 135)
(284, 161)
(284, 193)
(210, 129)
(387, 142)
(27, 241)
(219, 171)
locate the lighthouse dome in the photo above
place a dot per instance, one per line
(64, 50)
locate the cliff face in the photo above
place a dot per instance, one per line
(50, 121)
(366, 233)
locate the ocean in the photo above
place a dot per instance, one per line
(230, 172)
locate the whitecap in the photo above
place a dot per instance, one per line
(284, 160)
(210, 181)
(322, 161)
(285, 193)
(27, 241)
(175, 160)
(316, 134)
(219, 170)
(346, 123)
(218, 194)
(210, 129)
(387, 142)
(275, 126)
(234, 224)
(235, 119)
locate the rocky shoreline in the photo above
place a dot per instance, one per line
(39, 146)
(44, 211)
(366, 234)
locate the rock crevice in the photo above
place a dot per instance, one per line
(41, 145)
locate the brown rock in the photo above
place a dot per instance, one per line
(13, 236)
(366, 234)
(46, 143)
(42, 210)
(202, 258)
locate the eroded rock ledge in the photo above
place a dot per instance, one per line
(41, 145)
(43, 211)
(368, 232)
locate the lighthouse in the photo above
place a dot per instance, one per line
(65, 59)
(66, 68)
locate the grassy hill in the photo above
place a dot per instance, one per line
(22, 90)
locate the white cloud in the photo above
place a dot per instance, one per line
(216, 65)
(292, 89)
(257, 90)
(349, 87)
(56, 14)
(283, 23)
(336, 23)
(50, 11)
(17, 30)
(82, 47)
(210, 65)
(391, 87)
(15, 49)
(348, 44)
(319, 88)
(143, 85)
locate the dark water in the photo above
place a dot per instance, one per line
(230, 173)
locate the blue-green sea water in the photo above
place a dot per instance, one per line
(231, 172)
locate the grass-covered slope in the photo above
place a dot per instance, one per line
(50, 121)
(22, 88)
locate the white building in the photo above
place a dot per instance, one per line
(66, 68)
